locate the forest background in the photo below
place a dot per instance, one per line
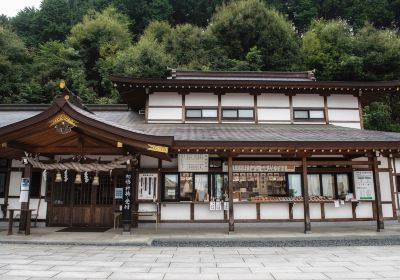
(83, 42)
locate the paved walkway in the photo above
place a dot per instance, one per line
(125, 262)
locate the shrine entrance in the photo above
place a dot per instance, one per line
(83, 159)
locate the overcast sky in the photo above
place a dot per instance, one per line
(12, 7)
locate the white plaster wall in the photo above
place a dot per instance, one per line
(165, 99)
(179, 211)
(387, 210)
(202, 212)
(342, 101)
(244, 211)
(384, 180)
(315, 210)
(344, 211)
(274, 114)
(298, 211)
(148, 162)
(17, 163)
(147, 207)
(383, 162)
(273, 100)
(15, 182)
(203, 99)
(274, 211)
(364, 210)
(308, 101)
(237, 100)
(165, 114)
(343, 115)
(170, 164)
(397, 162)
(351, 125)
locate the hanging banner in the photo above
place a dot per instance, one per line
(193, 162)
(148, 183)
(364, 185)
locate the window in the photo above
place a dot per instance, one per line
(201, 113)
(328, 185)
(219, 190)
(170, 187)
(186, 186)
(313, 184)
(248, 185)
(3, 176)
(244, 114)
(398, 183)
(201, 187)
(35, 184)
(294, 181)
(309, 114)
(342, 185)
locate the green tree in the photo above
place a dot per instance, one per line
(197, 12)
(146, 59)
(242, 25)
(328, 48)
(26, 25)
(14, 75)
(55, 61)
(142, 12)
(377, 116)
(97, 39)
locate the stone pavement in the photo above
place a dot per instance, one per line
(146, 235)
(19, 261)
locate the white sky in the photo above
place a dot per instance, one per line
(12, 7)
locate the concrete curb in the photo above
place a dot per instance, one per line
(234, 242)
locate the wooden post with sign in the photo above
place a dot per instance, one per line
(230, 187)
(307, 223)
(127, 200)
(377, 189)
(25, 203)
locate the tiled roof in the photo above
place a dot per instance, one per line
(231, 132)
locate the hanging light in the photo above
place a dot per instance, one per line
(95, 181)
(78, 178)
(58, 177)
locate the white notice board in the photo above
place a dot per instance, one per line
(364, 185)
(193, 162)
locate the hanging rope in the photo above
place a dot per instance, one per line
(81, 167)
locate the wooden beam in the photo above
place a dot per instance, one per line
(230, 189)
(338, 162)
(378, 202)
(307, 223)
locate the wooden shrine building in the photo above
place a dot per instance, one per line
(201, 147)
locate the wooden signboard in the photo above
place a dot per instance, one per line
(193, 162)
(364, 185)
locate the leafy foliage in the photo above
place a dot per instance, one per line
(84, 42)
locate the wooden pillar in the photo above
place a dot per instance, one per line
(306, 203)
(93, 204)
(25, 205)
(377, 189)
(392, 186)
(231, 216)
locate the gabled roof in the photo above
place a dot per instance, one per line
(237, 134)
(34, 134)
(241, 75)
